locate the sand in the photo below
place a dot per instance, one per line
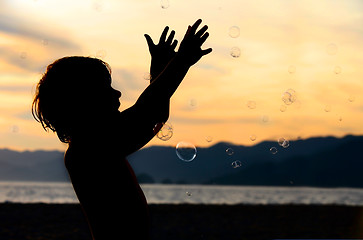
(65, 221)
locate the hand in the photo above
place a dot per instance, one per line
(162, 53)
(190, 48)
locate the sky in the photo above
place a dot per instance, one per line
(309, 48)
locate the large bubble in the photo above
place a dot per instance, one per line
(186, 151)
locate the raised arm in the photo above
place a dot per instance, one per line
(150, 110)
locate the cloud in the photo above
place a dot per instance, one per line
(34, 31)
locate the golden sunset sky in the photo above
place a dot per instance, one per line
(312, 47)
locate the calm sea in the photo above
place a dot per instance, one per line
(35, 192)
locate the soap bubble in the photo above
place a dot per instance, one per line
(164, 4)
(331, 48)
(253, 137)
(283, 108)
(147, 76)
(186, 151)
(291, 69)
(101, 53)
(23, 55)
(236, 164)
(45, 42)
(235, 52)
(166, 132)
(209, 138)
(273, 150)
(327, 108)
(337, 70)
(281, 141)
(251, 104)
(265, 118)
(229, 151)
(351, 98)
(289, 96)
(285, 144)
(193, 103)
(234, 31)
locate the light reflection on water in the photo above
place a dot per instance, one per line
(48, 192)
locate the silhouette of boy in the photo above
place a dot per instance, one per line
(74, 98)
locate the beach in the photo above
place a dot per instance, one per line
(191, 221)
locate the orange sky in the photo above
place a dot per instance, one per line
(319, 41)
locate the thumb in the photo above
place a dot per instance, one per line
(149, 41)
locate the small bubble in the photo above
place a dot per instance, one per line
(331, 48)
(265, 118)
(14, 129)
(289, 96)
(327, 108)
(164, 4)
(45, 42)
(281, 141)
(253, 137)
(23, 55)
(209, 138)
(351, 98)
(337, 70)
(273, 150)
(251, 104)
(189, 194)
(147, 76)
(193, 103)
(235, 52)
(283, 108)
(166, 132)
(234, 32)
(291, 69)
(285, 144)
(97, 6)
(186, 151)
(229, 151)
(236, 164)
(101, 53)
(340, 119)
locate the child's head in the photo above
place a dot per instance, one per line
(73, 93)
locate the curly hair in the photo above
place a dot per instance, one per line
(62, 92)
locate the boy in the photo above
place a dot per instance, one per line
(75, 99)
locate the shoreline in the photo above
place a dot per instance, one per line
(191, 221)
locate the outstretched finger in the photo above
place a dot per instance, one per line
(170, 38)
(195, 26)
(206, 51)
(201, 31)
(204, 38)
(163, 35)
(149, 41)
(173, 46)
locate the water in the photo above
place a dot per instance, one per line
(35, 192)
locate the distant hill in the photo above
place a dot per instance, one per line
(323, 162)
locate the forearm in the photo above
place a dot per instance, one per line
(163, 86)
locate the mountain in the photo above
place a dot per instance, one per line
(322, 161)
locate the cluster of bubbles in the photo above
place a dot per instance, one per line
(283, 142)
